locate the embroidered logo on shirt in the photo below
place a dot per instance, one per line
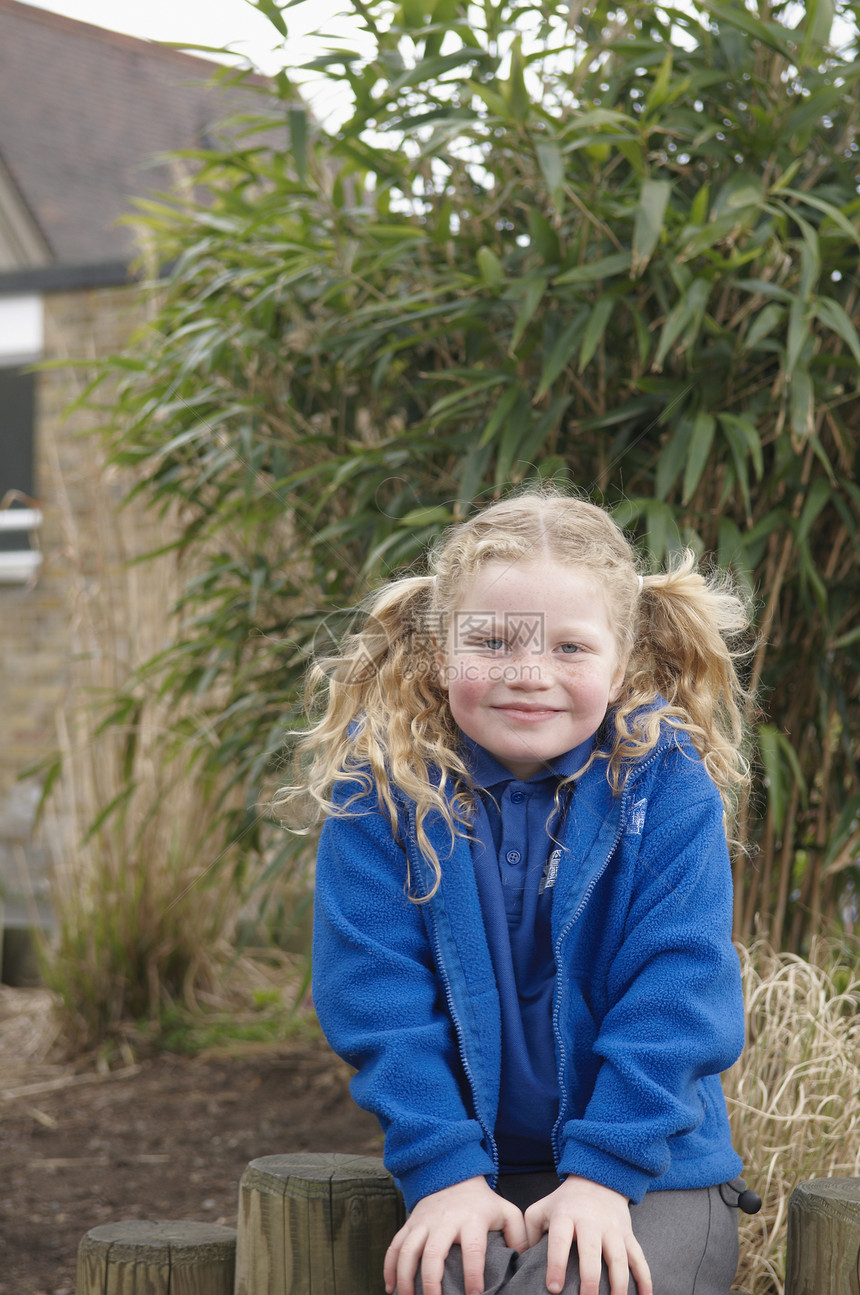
(637, 818)
(550, 872)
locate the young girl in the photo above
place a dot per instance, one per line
(523, 907)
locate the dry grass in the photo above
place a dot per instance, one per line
(794, 1096)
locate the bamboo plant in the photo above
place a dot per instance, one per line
(617, 246)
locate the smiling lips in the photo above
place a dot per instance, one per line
(529, 714)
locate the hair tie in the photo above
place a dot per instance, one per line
(641, 583)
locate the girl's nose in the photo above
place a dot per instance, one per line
(531, 673)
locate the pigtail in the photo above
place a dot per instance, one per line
(384, 720)
(686, 651)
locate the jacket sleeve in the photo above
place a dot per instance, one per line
(382, 1007)
(673, 1018)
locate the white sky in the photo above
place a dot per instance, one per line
(233, 23)
(199, 22)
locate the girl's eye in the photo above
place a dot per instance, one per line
(569, 648)
(494, 645)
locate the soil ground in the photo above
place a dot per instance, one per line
(166, 1139)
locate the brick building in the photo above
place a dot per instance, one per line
(85, 116)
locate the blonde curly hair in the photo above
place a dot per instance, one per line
(384, 714)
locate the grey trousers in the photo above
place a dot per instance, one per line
(690, 1240)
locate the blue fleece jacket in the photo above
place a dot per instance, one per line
(647, 1009)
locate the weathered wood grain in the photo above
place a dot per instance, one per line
(824, 1238)
(315, 1225)
(141, 1258)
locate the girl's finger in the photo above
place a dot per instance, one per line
(389, 1267)
(559, 1241)
(590, 1263)
(474, 1251)
(618, 1269)
(639, 1267)
(406, 1261)
(514, 1231)
(432, 1259)
(535, 1221)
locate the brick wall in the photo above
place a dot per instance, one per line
(43, 627)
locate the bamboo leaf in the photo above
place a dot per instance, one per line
(531, 299)
(662, 532)
(492, 98)
(660, 86)
(699, 451)
(732, 550)
(426, 516)
(490, 267)
(515, 431)
(739, 458)
(471, 473)
(543, 236)
(298, 124)
(650, 212)
(499, 415)
(745, 427)
(798, 333)
(561, 353)
(552, 169)
(802, 402)
(605, 268)
(699, 207)
(818, 496)
(271, 10)
(740, 191)
(763, 325)
(828, 209)
(811, 581)
(836, 318)
(685, 315)
(763, 288)
(733, 16)
(769, 752)
(673, 457)
(598, 320)
(516, 93)
(816, 29)
(531, 445)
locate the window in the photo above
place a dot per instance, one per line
(21, 343)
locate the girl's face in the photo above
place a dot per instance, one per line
(530, 663)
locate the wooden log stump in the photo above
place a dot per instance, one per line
(824, 1238)
(140, 1258)
(315, 1225)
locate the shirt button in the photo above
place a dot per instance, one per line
(518, 797)
(513, 856)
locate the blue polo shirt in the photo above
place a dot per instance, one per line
(516, 860)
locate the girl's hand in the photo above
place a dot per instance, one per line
(464, 1214)
(598, 1219)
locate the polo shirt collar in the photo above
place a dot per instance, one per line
(487, 771)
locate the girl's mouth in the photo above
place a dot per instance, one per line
(528, 714)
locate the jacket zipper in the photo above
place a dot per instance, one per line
(458, 1028)
(562, 1051)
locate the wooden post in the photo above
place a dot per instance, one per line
(824, 1238)
(315, 1225)
(140, 1258)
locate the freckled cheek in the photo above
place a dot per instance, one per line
(590, 692)
(469, 686)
